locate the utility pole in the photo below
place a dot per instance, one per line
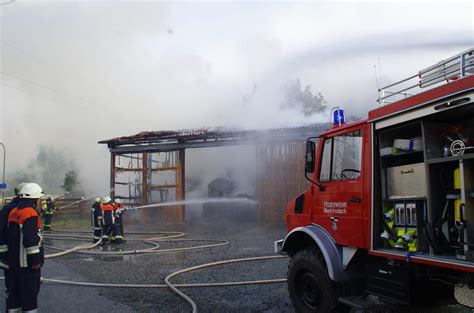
(3, 173)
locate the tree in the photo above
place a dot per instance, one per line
(47, 168)
(303, 99)
(70, 182)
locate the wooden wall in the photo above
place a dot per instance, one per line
(280, 177)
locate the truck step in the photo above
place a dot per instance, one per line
(355, 302)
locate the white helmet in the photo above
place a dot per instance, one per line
(30, 191)
(98, 199)
(118, 201)
(18, 188)
(106, 199)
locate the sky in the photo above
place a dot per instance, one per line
(73, 73)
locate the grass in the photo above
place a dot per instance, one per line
(68, 221)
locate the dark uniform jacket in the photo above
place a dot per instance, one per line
(96, 215)
(3, 229)
(24, 237)
(107, 214)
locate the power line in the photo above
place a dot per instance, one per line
(35, 83)
(35, 94)
(45, 87)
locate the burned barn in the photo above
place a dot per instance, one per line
(150, 168)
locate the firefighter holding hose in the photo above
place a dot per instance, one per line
(108, 220)
(118, 214)
(48, 210)
(25, 252)
(96, 219)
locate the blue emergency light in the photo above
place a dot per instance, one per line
(339, 117)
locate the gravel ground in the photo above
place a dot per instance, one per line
(58, 299)
(245, 240)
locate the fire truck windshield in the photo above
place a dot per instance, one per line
(341, 157)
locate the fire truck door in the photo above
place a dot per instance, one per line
(338, 204)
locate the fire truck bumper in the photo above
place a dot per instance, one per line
(278, 245)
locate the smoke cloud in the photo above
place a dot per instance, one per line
(79, 72)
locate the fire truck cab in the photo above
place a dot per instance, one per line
(389, 210)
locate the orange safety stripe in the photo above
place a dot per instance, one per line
(107, 207)
(19, 216)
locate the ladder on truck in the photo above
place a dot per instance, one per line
(443, 72)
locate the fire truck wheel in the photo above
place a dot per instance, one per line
(309, 285)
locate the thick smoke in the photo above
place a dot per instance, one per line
(79, 72)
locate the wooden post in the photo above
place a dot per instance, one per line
(112, 175)
(180, 184)
(144, 183)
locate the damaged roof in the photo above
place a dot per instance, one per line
(209, 137)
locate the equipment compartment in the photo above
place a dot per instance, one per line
(403, 188)
(449, 145)
(425, 198)
(449, 134)
(390, 283)
(402, 226)
(469, 204)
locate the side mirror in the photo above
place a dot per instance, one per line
(310, 156)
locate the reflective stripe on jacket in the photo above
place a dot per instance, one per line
(24, 238)
(4, 226)
(107, 214)
(48, 207)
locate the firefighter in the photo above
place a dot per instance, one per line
(48, 210)
(108, 220)
(25, 251)
(3, 235)
(96, 219)
(118, 212)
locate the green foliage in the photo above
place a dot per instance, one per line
(303, 99)
(70, 182)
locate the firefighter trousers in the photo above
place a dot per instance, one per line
(6, 274)
(23, 289)
(109, 230)
(97, 233)
(119, 225)
(48, 218)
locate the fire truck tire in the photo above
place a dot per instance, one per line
(310, 288)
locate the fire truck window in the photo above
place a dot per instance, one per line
(347, 155)
(325, 172)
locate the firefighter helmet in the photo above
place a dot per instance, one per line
(98, 199)
(18, 188)
(30, 191)
(106, 200)
(119, 201)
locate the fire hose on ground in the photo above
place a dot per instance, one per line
(169, 237)
(194, 268)
(152, 241)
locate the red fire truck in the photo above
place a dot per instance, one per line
(389, 210)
